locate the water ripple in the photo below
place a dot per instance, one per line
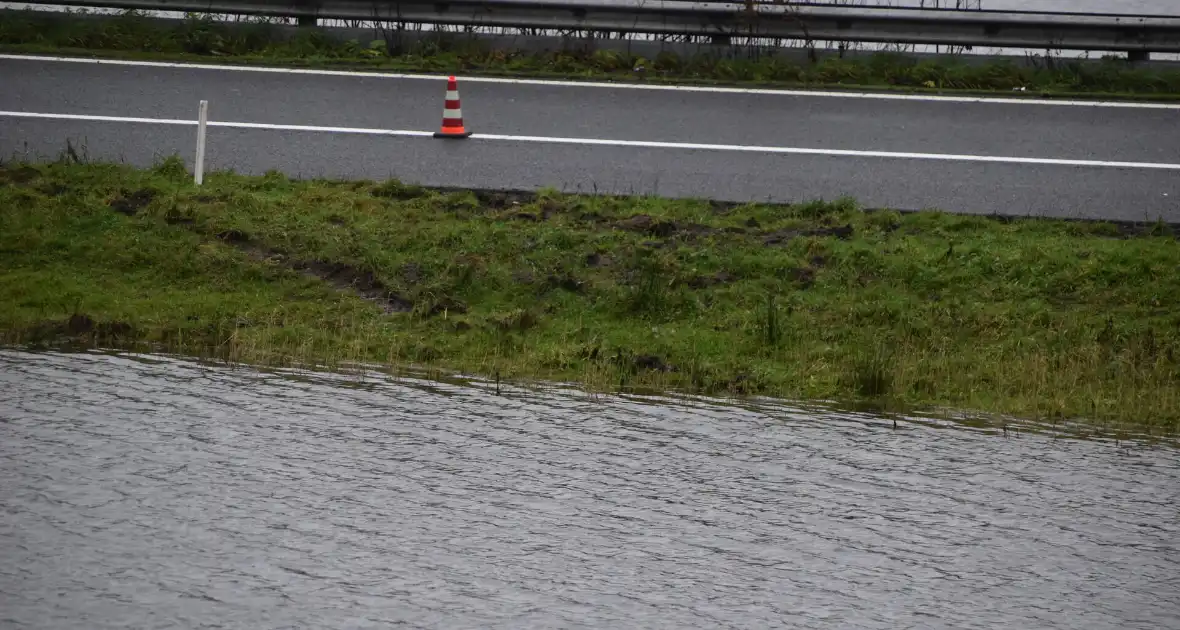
(151, 491)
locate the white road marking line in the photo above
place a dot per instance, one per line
(217, 123)
(609, 142)
(831, 152)
(884, 96)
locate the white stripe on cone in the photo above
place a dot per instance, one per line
(452, 95)
(453, 114)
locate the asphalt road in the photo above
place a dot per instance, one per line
(775, 120)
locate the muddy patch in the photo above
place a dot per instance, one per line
(350, 278)
(19, 175)
(53, 190)
(663, 229)
(597, 259)
(659, 228)
(695, 230)
(564, 282)
(652, 363)
(703, 282)
(742, 384)
(79, 325)
(523, 276)
(516, 321)
(804, 277)
(639, 223)
(446, 305)
(396, 190)
(550, 207)
(494, 200)
(509, 200)
(781, 237)
(234, 236)
(131, 203)
(633, 362)
(341, 276)
(412, 273)
(176, 216)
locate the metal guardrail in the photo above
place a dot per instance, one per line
(1134, 34)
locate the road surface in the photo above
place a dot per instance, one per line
(974, 157)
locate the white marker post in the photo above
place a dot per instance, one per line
(199, 166)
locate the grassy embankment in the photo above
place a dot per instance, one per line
(817, 301)
(131, 35)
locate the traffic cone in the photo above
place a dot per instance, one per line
(452, 122)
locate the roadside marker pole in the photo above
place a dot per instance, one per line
(199, 166)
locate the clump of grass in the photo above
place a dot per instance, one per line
(871, 374)
(134, 34)
(1035, 318)
(773, 333)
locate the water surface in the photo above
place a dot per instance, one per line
(152, 492)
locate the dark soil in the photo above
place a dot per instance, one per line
(702, 282)
(781, 237)
(342, 276)
(645, 224)
(803, 276)
(77, 326)
(565, 282)
(598, 260)
(412, 273)
(446, 305)
(131, 203)
(363, 283)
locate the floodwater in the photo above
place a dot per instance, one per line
(150, 492)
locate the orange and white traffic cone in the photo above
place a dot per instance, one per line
(452, 123)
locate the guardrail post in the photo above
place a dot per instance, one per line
(307, 20)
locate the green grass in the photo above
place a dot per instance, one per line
(131, 35)
(1037, 318)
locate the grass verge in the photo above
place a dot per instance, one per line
(822, 301)
(133, 35)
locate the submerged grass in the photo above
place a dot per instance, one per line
(1036, 318)
(135, 35)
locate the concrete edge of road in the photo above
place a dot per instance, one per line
(579, 84)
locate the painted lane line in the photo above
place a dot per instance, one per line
(653, 144)
(832, 152)
(217, 123)
(884, 96)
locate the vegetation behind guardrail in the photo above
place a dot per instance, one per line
(777, 19)
(135, 35)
